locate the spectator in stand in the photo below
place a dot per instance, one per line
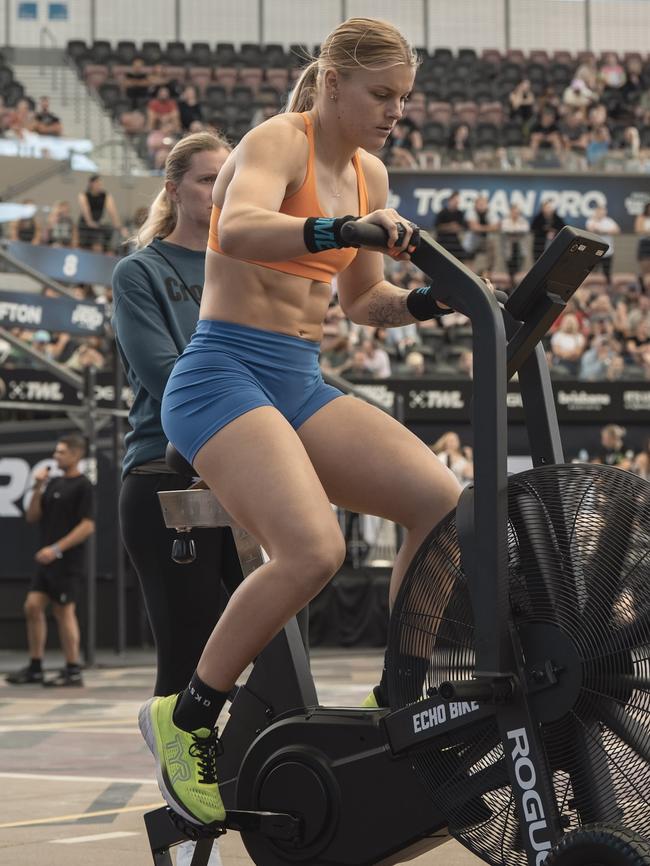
(642, 228)
(545, 225)
(601, 224)
(60, 230)
(522, 104)
(5, 113)
(94, 203)
(414, 365)
(641, 462)
(598, 144)
(459, 459)
(578, 95)
(597, 358)
(163, 108)
(588, 72)
(612, 450)
(611, 73)
(545, 134)
(575, 137)
(460, 153)
(45, 122)
(136, 82)
(637, 342)
(449, 224)
(336, 358)
(161, 141)
(189, 107)
(20, 121)
(377, 360)
(479, 240)
(87, 354)
(514, 230)
(404, 144)
(160, 77)
(26, 230)
(568, 345)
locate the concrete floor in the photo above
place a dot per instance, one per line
(76, 777)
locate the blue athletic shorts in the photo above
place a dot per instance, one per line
(228, 369)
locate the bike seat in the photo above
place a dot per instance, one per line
(177, 462)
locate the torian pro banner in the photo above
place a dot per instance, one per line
(419, 196)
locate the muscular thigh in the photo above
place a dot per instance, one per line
(261, 474)
(369, 463)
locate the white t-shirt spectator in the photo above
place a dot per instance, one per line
(378, 364)
(564, 344)
(606, 228)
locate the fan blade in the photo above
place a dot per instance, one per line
(629, 730)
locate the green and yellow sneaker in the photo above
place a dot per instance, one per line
(186, 763)
(370, 703)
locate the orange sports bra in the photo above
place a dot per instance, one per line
(304, 203)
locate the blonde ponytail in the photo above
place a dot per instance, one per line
(160, 222)
(304, 93)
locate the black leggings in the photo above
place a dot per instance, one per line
(183, 601)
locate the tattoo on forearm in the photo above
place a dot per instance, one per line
(386, 309)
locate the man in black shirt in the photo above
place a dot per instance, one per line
(449, 223)
(46, 123)
(63, 508)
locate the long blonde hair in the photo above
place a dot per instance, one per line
(163, 213)
(358, 43)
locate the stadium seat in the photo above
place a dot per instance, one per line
(512, 135)
(439, 112)
(251, 76)
(538, 56)
(109, 93)
(151, 52)
(467, 55)
(215, 97)
(250, 54)
(644, 134)
(299, 54)
(268, 95)
(486, 135)
(491, 56)
(226, 76)
(200, 54)
(125, 52)
(515, 55)
(77, 49)
(274, 56)
(443, 55)
(100, 51)
(200, 77)
(466, 112)
(176, 53)
(13, 92)
(278, 78)
(564, 57)
(434, 134)
(242, 96)
(6, 77)
(225, 54)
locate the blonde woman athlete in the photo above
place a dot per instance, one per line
(246, 404)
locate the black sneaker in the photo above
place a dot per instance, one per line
(24, 676)
(65, 677)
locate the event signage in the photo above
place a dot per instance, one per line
(65, 265)
(419, 196)
(32, 312)
(432, 400)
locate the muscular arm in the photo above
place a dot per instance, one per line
(267, 162)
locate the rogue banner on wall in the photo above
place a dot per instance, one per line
(419, 196)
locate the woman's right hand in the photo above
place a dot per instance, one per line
(397, 247)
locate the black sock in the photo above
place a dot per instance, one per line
(198, 706)
(73, 667)
(36, 665)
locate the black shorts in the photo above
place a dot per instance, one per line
(57, 581)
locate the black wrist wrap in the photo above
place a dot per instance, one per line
(422, 305)
(324, 233)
